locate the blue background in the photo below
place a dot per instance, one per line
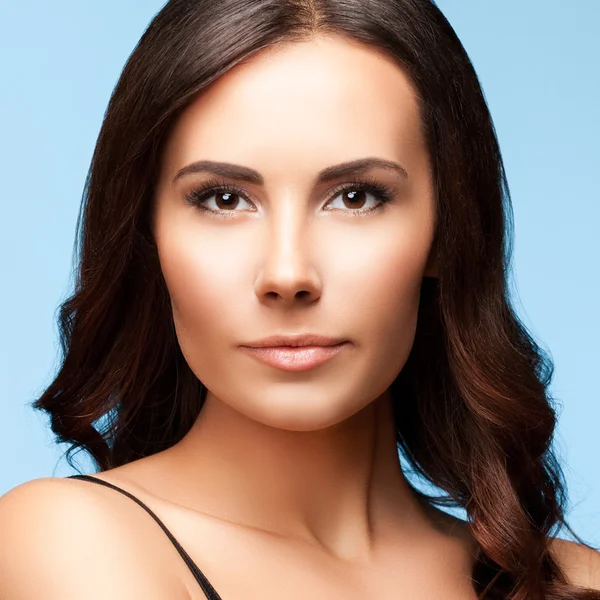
(538, 62)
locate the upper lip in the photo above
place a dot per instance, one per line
(304, 339)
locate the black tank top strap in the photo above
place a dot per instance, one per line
(206, 586)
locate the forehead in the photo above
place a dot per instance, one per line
(302, 105)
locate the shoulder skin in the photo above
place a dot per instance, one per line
(61, 540)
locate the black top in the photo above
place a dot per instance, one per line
(206, 586)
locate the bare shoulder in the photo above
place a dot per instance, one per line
(62, 539)
(580, 563)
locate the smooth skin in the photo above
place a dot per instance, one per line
(288, 485)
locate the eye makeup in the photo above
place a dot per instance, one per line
(200, 194)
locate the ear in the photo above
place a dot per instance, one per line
(431, 269)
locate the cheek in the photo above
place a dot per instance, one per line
(380, 287)
(205, 282)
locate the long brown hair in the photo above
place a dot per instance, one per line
(472, 408)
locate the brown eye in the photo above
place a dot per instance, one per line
(354, 198)
(225, 200)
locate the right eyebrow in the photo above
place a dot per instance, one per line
(241, 173)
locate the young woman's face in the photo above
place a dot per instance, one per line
(289, 252)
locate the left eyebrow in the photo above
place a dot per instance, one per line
(241, 173)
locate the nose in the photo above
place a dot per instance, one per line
(288, 275)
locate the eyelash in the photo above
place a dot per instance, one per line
(358, 184)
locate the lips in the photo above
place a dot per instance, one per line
(295, 358)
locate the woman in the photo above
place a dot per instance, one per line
(293, 263)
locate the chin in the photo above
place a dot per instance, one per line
(304, 410)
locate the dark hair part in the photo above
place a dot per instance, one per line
(472, 408)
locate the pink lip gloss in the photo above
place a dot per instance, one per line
(299, 358)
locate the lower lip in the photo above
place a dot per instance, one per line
(299, 358)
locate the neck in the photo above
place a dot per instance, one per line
(340, 488)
